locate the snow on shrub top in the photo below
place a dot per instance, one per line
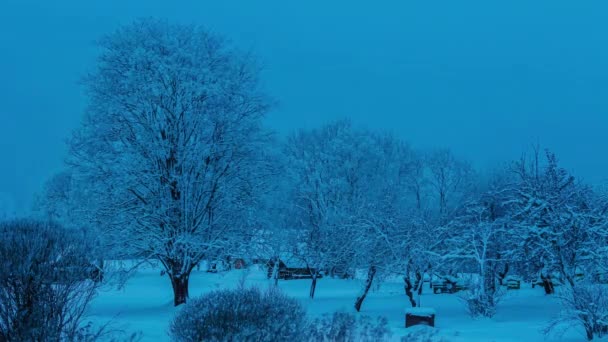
(420, 311)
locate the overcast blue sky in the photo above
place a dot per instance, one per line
(486, 78)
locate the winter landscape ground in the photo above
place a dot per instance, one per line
(146, 305)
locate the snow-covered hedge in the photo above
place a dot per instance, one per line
(422, 333)
(244, 314)
(250, 314)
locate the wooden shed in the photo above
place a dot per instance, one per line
(290, 268)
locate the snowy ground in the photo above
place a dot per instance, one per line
(145, 305)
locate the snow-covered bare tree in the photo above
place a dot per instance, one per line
(556, 220)
(56, 200)
(67, 202)
(451, 179)
(172, 143)
(476, 243)
(585, 305)
(384, 198)
(394, 234)
(329, 166)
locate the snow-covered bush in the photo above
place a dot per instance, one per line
(586, 305)
(250, 314)
(244, 314)
(344, 327)
(422, 333)
(44, 283)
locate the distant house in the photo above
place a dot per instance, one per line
(227, 264)
(340, 271)
(290, 268)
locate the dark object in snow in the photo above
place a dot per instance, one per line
(227, 264)
(419, 316)
(291, 271)
(448, 285)
(540, 282)
(239, 263)
(548, 282)
(512, 283)
(236, 263)
(213, 267)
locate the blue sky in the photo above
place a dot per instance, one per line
(485, 78)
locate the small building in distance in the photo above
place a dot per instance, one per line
(290, 268)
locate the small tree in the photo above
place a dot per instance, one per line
(328, 167)
(476, 239)
(556, 218)
(585, 305)
(45, 284)
(386, 234)
(68, 203)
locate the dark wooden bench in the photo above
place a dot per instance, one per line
(513, 284)
(447, 287)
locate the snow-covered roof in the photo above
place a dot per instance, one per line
(292, 261)
(425, 312)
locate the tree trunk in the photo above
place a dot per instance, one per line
(408, 290)
(100, 269)
(419, 282)
(180, 289)
(489, 280)
(589, 333)
(547, 284)
(313, 285)
(368, 284)
(503, 274)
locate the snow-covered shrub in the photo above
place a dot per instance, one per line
(344, 327)
(586, 305)
(244, 314)
(44, 283)
(422, 333)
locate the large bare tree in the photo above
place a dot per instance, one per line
(172, 143)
